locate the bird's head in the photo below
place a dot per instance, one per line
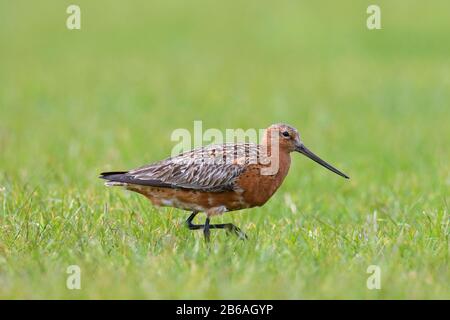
(288, 140)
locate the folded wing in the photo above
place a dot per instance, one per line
(214, 168)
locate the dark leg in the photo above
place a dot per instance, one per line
(189, 223)
(229, 227)
(206, 231)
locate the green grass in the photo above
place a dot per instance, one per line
(107, 97)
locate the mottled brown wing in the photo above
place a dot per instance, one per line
(213, 168)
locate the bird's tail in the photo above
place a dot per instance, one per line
(113, 178)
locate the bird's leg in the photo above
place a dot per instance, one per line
(205, 227)
(206, 231)
(189, 223)
(229, 227)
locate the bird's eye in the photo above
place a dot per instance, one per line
(285, 133)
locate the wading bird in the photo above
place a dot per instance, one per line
(218, 178)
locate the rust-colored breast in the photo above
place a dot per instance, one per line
(259, 187)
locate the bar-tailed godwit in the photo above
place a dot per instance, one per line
(219, 178)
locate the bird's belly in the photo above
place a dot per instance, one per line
(212, 203)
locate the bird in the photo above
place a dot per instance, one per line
(219, 178)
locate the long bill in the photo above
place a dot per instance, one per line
(304, 150)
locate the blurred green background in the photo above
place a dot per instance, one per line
(375, 103)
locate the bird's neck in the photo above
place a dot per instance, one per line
(277, 156)
(276, 163)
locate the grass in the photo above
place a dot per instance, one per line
(373, 103)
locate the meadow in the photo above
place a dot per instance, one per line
(374, 103)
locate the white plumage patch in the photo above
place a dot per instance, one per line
(115, 184)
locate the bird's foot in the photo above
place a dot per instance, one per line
(236, 230)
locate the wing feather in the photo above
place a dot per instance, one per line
(213, 168)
